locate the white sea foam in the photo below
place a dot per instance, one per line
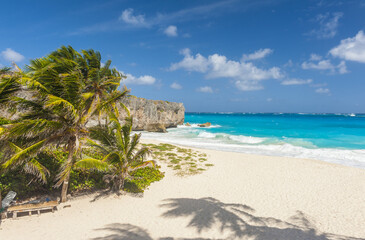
(246, 139)
(206, 135)
(226, 138)
(196, 125)
(246, 144)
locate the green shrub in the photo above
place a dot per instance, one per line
(175, 161)
(177, 167)
(142, 179)
(164, 147)
(171, 154)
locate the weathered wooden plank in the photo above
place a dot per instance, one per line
(28, 207)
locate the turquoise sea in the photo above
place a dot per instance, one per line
(337, 138)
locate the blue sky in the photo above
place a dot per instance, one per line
(224, 55)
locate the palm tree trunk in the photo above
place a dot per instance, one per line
(65, 188)
(118, 184)
(71, 151)
(121, 184)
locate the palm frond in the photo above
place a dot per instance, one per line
(133, 144)
(31, 128)
(143, 165)
(93, 164)
(22, 155)
(37, 169)
(64, 173)
(93, 144)
(115, 96)
(102, 134)
(61, 105)
(8, 87)
(141, 154)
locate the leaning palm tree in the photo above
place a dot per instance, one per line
(121, 152)
(57, 112)
(102, 81)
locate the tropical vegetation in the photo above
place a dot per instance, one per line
(53, 102)
(120, 155)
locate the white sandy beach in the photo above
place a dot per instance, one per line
(241, 197)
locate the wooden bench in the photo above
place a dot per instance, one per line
(51, 205)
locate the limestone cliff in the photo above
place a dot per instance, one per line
(146, 112)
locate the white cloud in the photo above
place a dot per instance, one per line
(261, 53)
(191, 63)
(171, 31)
(328, 25)
(342, 68)
(321, 65)
(210, 10)
(176, 86)
(351, 49)
(246, 75)
(128, 17)
(323, 90)
(315, 57)
(269, 99)
(205, 89)
(296, 81)
(11, 55)
(142, 80)
(316, 63)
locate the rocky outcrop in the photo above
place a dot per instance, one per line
(155, 127)
(152, 113)
(207, 124)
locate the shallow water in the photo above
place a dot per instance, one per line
(337, 138)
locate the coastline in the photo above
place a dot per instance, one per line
(273, 197)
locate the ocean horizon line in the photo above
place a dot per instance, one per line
(299, 113)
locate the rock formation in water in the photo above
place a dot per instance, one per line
(207, 124)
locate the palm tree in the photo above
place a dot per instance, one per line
(102, 82)
(120, 150)
(57, 111)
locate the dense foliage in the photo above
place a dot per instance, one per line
(142, 178)
(80, 180)
(121, 154)
(44, 144)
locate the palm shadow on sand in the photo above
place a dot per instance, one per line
(235, 221)
(131, 232)
(239, 221)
